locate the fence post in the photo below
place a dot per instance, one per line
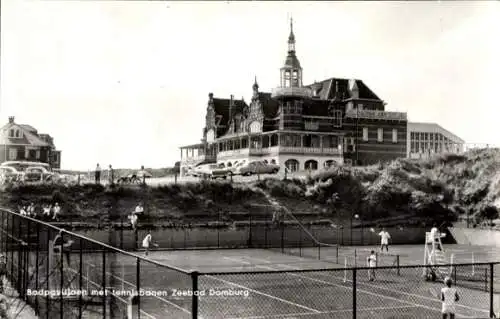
(47, 274)
(354, 293)
(282, 238)
(103, 283)
(492, 310)
(37, 256)
(121, 231)
(80, 279)
(61, 267)
(249, 244)
(138, 285)
(194, 278)
(300, 243)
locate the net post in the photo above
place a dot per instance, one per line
(337, 253)
(397, 265)
(80, 281)
(376, 259)
(492, 311)
(473, 266)
(354, 293)
(194, 310)
(355, 257)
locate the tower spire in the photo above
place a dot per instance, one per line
(291, 38)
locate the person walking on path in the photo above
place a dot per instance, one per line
(98, 174)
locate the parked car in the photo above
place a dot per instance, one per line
(39, 174)
(256, 167)
(212, 170)
(9, 174)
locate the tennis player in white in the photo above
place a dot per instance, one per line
(449, 297)
(384, 240)
(372, 263)
(147, 242)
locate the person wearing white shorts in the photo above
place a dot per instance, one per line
(449, 297)
(384, 240)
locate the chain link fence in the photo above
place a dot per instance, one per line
(60, 274)
(65, 275)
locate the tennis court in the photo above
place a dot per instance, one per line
(245, 283)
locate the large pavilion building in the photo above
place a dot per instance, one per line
(300, 126)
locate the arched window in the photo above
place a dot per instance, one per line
(311, 165)
(329, 163)
(292, 165)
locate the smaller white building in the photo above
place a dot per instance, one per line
(426, 139)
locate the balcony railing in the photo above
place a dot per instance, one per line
(292, 91)
(231, 153)
(295, 150)
(377, 115)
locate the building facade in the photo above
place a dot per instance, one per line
(427, 139)
(300, 126)
(21, 142)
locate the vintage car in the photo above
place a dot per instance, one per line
(212, 171)
(256, 167)
(10, 174)
(39, 174)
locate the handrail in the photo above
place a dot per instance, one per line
(114, 249)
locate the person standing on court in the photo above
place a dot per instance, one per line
(147, 242)
(98, 174)
(384, 240)
(449, 297)
(372, 263)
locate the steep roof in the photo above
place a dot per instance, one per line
(269, 105)
(327, 89)
(221, 107)
(27, 137)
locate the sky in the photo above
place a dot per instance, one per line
(127, 83)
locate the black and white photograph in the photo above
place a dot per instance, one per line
(249, 159)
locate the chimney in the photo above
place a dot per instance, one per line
(11, 119)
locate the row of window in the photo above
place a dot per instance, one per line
(13, 154)
(427, 136)
(380, 135)
(436, 147)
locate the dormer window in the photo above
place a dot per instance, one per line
(18, 134)
(11, 133)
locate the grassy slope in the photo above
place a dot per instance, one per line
(440, 188)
